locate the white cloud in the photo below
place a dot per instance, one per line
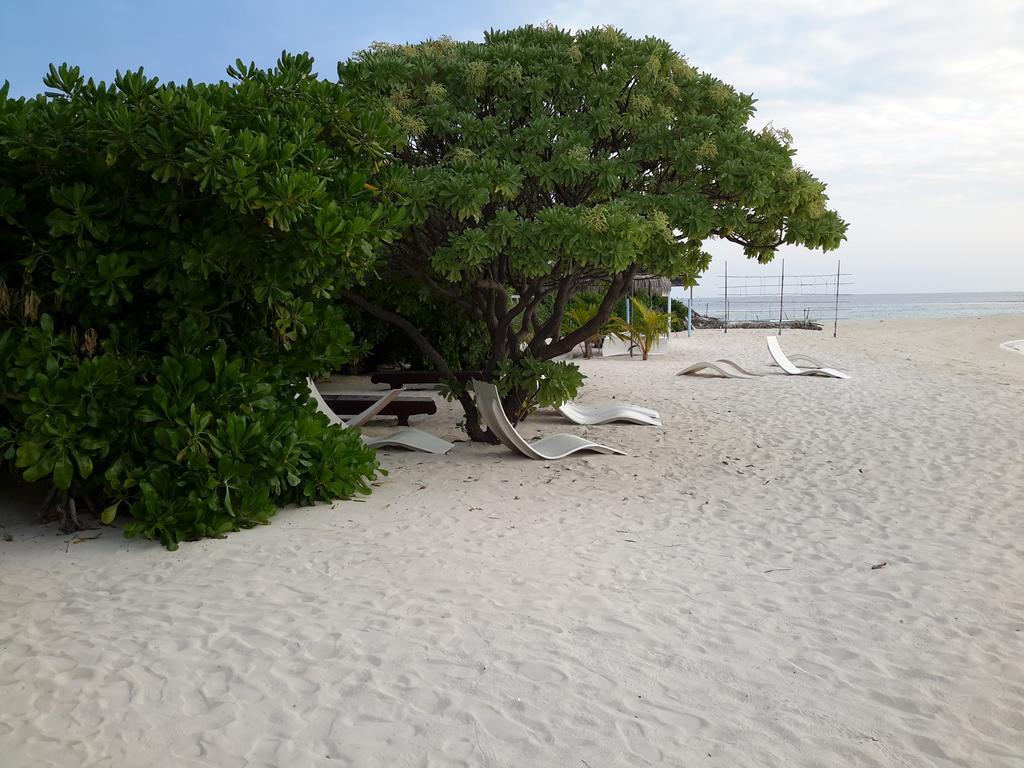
(914, 107)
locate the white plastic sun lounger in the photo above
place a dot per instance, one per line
(408, 438)
(360, 418)
(803, 361)
(632, 414)
(723, 367)
(488, 403)
(789, 367)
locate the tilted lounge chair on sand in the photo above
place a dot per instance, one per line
(360, 418)
(789, 367)
(409, 438)
(488, 403)
(632, 414)
(722, 366)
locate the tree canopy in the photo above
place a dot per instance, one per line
(545, 162)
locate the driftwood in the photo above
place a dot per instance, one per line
(706, 321)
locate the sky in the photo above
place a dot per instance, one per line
(912, 111)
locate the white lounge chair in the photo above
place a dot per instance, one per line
(408, 438)
(360, 418)
(488, 403)
(803, 361)
(789, 367)
(632, 414)
(722, 367)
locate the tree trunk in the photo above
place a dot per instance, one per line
(473, 428)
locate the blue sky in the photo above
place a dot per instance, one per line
(911, 110)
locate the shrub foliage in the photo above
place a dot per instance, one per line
(169, 260)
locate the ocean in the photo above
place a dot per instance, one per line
(879, 306)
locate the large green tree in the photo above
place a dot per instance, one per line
(169, 261)
(545, 162)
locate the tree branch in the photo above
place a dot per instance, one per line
(620, 285)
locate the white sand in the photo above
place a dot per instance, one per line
(707, 601)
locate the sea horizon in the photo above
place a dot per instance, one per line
(862, 306)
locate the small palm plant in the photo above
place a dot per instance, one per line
(646, 328)
(579, 313)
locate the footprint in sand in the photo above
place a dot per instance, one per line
(427, 700)
(636, 740)
(541, 673)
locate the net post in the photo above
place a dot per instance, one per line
(725, 327)
(689, 315)
(782, 293)
(835, 327)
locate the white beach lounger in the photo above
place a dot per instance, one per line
(722, 367)
(632, 414)
(803, 361)
(488, 403)
(360, 418)
(408, 438)
(789, 367)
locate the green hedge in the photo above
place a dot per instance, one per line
(168, 255)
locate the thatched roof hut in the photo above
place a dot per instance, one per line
(651, 285)
(646, 285)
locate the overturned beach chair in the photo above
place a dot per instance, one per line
(402, 407)
(631, 414)
(722, 367)
(358, 419)
(492, 414)
(787, 365)
(408, 438)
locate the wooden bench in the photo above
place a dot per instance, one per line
(402, 407)
(399, 379)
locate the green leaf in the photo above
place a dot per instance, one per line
(29, 454)
(84, 464)
(63, 473)
(108, 514)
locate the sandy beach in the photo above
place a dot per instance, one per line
(792, 571)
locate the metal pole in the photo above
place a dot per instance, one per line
(726, 325)
(782, 293)
(835, 328)
(629, 319)
(629, 344)
(669, 310)
(689, 315)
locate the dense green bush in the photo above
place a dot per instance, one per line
(169, 258)
(537, 384)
